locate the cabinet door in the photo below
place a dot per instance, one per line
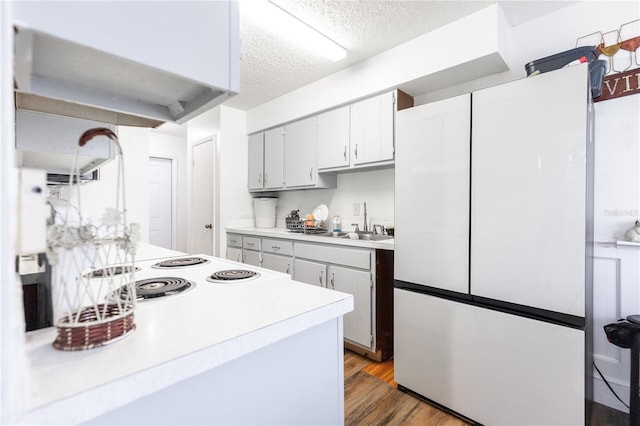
(234, 253)
(528, 185)
(273, 159)
(372, 129)
(256, 161)
(432, 191)
(358, 323)
(333, 138)
(251, 257)
(277, 263)
(300, 153)
(310, 272)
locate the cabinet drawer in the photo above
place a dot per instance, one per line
(234, 240)
(336, 255)
(277, 246)
(251, 243)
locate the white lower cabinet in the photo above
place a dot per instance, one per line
(493, 367)
(276, 262)
(251, 257)
(365, 273)
(234, 247)
(234, 253)
(310, 272)
(358, 323)
(342, 269)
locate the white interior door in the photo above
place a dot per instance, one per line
(202, 229)
(161, 193)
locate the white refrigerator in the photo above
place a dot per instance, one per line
(493, 250)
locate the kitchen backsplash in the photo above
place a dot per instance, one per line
(373, 187)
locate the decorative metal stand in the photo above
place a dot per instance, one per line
(92, 260)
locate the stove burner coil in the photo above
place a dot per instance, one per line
(181, 262)
(158, 287)
(232, 275)
(110, 271)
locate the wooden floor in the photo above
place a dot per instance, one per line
(372, 398)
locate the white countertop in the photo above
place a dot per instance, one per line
(176, 338)
(284, 233)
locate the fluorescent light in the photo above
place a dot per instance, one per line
(296, 30)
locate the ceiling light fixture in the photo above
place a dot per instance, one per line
(299, 31)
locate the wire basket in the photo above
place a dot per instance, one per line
(92, 261)
(300, 225)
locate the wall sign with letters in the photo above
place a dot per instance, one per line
(620, 84)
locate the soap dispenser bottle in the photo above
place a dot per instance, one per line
(337, 224)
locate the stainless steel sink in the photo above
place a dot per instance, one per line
(368, 236)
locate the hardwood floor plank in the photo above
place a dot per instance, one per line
(382, 370)
(353, 363)
(361, 394)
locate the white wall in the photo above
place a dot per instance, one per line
(376, 188)
(96, 196)
(174, 146)
(12, 325)
(236, 204)
(233, 203)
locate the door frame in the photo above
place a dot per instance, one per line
(174, 195)
(215, 140)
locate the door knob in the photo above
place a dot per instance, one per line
(208, 226)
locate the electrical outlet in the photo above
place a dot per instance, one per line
(356, 209)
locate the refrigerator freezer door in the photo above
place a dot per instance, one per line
(492, 367)
(432, 194)
(528, 186)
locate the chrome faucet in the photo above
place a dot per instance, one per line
(366, 226)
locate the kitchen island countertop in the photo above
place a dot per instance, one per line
(284, 233)
(175, 339)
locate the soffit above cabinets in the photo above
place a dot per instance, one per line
(124, 77)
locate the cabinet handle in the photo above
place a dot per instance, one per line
(345, 153)
(244, 259)
(288, 267)
(238, 258)
(275, 247)
(260, 178)
(356, 151)
(251, 244)
(321, 285)
(311, 173)
(333, 286)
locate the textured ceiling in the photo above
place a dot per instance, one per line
(273, 65)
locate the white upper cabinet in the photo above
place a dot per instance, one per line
(333, 138)
(165, 61)
(300, 153)
(273, 159)
(372, 129)
(256, 161)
